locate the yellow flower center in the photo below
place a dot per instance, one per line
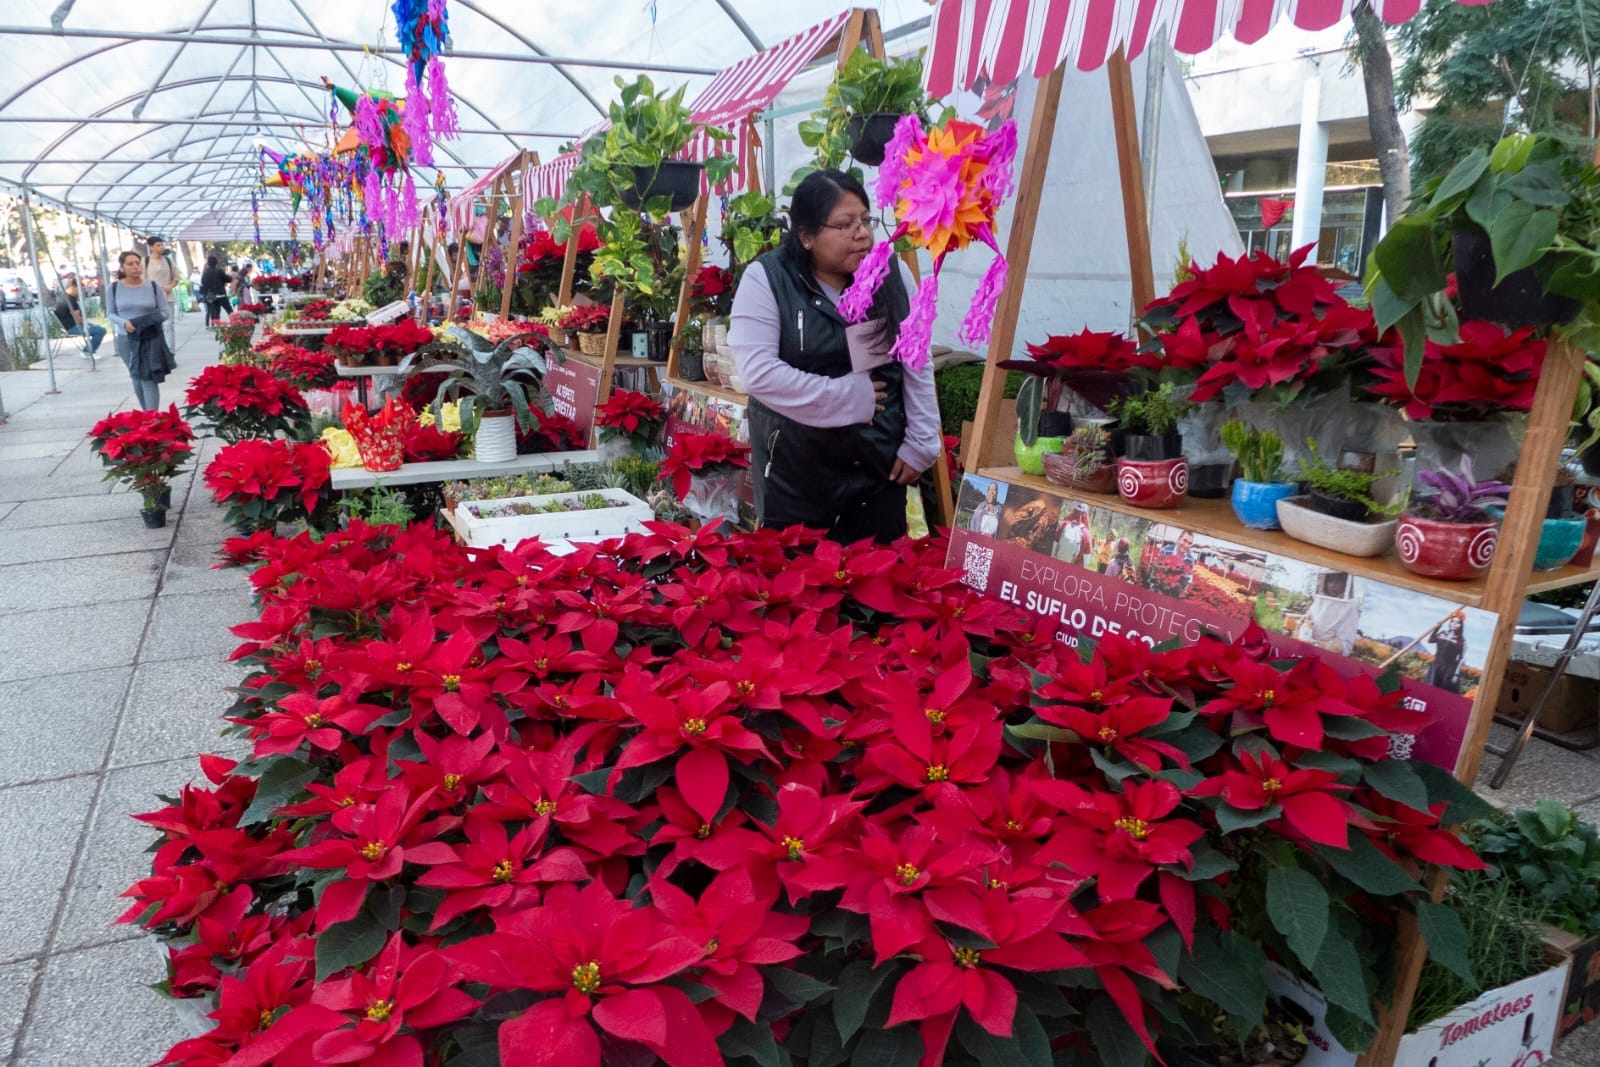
(746, 687)
(907, 873)
(704, 831)
(938, 772)
(1266, 696)
(266, 1018)
(541, 664)
(694, 727)
(966, 957)
(1107, 734)
(586, 976)
(1271, 785)
(452, 683)
(313, 668)
(1137, 829)
(347, 802)
(1097, 695)
(403, 666)
(1013, 825)
(935, 715)
(313, 720)
(840, 575)
(452, 782)
(503, 871)
(379, 1011)
(544, 807)
(374, 850)
(795, 847)
(711, 947)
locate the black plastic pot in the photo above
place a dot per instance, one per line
(658, 341)
(870, 135)
(165, 500)
(692, 365)
(1590, 459)
(1338, 507)
(1055, 424)
(1560, 506)
(1210, 480)
(154, 518)
(1519, 300)
(1146, 448)
(677, 178)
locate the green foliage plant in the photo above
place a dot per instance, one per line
(1503, 944)
(751, 227)
(1154, 412)
(865, 85)
(378, 506)
(488, 378)
(1354, 486)
(1550, 859)
(1259, 452)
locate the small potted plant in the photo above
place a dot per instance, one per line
(492, 384)
(1152, 471)
(589, 323)
(706, 471)
(1340, 510)
(1562, 533)
(1085, 461)
(145, 449)
(860, 109)
(1092, 367)
(1451, 533)
(1257, 492)
(630, 423)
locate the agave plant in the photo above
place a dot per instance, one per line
(489, 377)
(1457, 497)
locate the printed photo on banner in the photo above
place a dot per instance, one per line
(698, 413)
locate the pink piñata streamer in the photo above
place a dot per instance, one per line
(408, 205)
(446, 127)
(913, 345)
(416, 121)
(979, 320)
(1002, 154)
(855, 301)
(369, 122)
(893, 171)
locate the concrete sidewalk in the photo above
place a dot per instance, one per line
(113, 669)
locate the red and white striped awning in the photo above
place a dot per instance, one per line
(459, 211)
(1000, 40)
(548, 179)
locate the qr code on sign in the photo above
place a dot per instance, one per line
(978, 559)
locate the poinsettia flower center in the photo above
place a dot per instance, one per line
(1097, 695)
(938, 772)
(452, 782)
(1107, 734)
(711, 947)
(703, 831)
(586, 976)
(266, 1019)
(840, 575)
(347, 802)
(694, 727)
(1014, 826)
(379, 1011)
(503, 871)
(313, 668)
(544, 807)
(746, 687)
(374, 850)
(966, 957)
(795, 847)
(1266, 696)
(313, 720)
(1137, 829)
(1270, 785)
(907, 873)
(452, 683)
(403, 665)
(935, 715)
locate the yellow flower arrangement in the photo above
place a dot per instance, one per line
(450, 417)
(338, 441)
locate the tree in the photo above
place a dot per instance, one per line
(1371, 51)
(1513, 65)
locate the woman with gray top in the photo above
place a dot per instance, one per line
(138, 310)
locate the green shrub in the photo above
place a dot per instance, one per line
(957, 389)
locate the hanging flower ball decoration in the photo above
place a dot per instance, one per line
(947, 185)
(423, 26)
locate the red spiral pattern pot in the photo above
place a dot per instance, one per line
(1455, 551)
(1161, 483)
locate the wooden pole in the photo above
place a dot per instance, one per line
(1503, 594)
(608, 363)
(1019, 248)
(850, 37)
(514, 179)
(694, 225)
(1131, 171)
(569, 264)
(435, 247)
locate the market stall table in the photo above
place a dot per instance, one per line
(455, 470)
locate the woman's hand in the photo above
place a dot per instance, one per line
(880, 395)
(128, 326)
(901, 474)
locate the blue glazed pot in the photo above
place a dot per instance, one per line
(1256, 503)
(1559, 541)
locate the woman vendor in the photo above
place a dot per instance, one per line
(837, 428)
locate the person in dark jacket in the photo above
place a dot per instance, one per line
(838, 429)
(214, 291)
(137, 309)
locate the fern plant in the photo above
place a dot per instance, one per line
(488, 377)
(1154, 413)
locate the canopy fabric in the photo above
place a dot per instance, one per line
(458, 215)
(234, 221)
(152, 114)
(999, 40)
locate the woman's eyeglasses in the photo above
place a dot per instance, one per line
(870, 224)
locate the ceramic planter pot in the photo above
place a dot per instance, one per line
(1256, 503)
(1031, 457)
(1303, 523)
(1161, 483)
(496, 439)
(1560, 538)
(1145, 448)
(1059, 470)
(1519, 299)
(1454, 551)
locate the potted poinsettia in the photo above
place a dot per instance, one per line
(706, 471)
(1151, 469)
(629, 423)
(1257, 492)
(243, 402)
(264, 483)
(1452, 532)
(145, 449)
(1090, 368)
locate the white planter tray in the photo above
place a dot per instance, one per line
(482, 530)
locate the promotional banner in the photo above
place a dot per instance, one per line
(1098, 571)
(693, 412)
(573, 387)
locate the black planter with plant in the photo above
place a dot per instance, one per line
(1149, 423)
(676, 179)
(870, 134)
(860, 109)
(154, 518)
(1343, 494)
(1519, 298)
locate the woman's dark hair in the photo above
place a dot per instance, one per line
(814, 200)
(211, 261)
(123, 258)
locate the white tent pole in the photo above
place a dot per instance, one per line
(38, 277)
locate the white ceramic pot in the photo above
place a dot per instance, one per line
(496, 440)
(1340, 535)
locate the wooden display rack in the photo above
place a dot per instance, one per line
(1501, 591)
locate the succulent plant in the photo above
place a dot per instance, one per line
(1456, 497)
(489, 377)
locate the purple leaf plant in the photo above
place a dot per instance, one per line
(1457, 497)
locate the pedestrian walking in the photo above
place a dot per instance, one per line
(214, 291)
(159, 267)
(138, 309)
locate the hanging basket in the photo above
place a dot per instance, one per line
(676, 178)
(592, 344)
(870, 136)
(1519, 299)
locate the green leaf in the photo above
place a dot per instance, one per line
(1462, 177)
(1338, 971)
(280, 783)
(797, 987)
(1511, 153)
(1519, 236)
(1368, 868)
(1413, 330)
(1349, 1029)
(1539, 185)
(1230, 970)
(751, 1041)
(349, 944)
(859, 983)
(1026, 1047)
(1396, 780)
(1461, 803)
(1298, 906)
(1441, 928)
(1231, 820)
(900, 1047)
(1409, 258)
(1115, 1042)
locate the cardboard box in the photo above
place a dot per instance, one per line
(1574, 705)
(1581, 1002)
(1506, 1027)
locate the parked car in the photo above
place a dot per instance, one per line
(15, 293)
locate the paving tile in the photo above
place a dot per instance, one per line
(49, 488)
(60, 725)
(175, 708)
(189, 570)
(1581, 1048)
(62, 583)
(67, 640)
(11, 452)
(196, 624)
(94, 1009)
(1543, 770)
(109, 536)
(102, 507)
(116, 852)
(40, 825)
(16, 982)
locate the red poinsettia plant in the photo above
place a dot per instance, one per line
(360, 346)
(314, 310)
(700, 455)
(266, 482)
(255, 308)
(634, 416)
(145, 449)
(711, 291)
(303, 368)
(428, 444)
(241, 402)
(694, 796)
(269, 281)
(1096, 364)
(1255, 326)
(587, 318)
(550, 431)
(1488, 370)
